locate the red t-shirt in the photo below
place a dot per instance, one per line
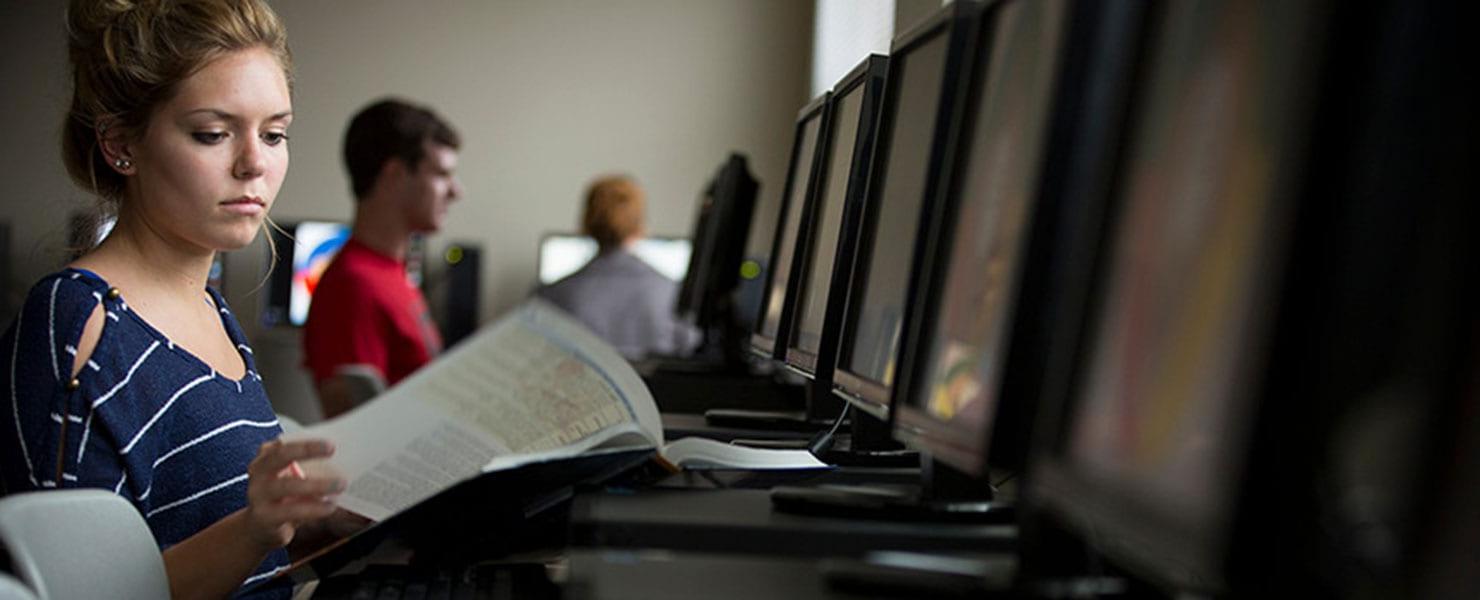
(365, 312)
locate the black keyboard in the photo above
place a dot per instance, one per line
(477, 582)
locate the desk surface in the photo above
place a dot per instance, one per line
(606, 574)
(742, 521)
(677, 425)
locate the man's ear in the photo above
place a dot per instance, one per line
(393, 171)
(116, 147)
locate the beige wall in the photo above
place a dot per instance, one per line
(546, 94)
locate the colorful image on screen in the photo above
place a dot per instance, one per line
(314, 248)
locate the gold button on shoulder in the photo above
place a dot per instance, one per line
(113, 293)
(73, 385)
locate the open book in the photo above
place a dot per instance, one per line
(533, 387)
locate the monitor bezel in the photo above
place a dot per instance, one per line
(1154, 544)
(866, 78)
(973, 451)
(686, 305)
(721, 227)
(276, 310)
(864, 393)
(762, 345)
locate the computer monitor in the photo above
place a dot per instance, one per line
(755, 266)
(774, 321)
(830, 233)
(1027, 110)
(720, 231)
(303, 253)
(1150, 447)
(964, 319)
(922, 66)
(688, 289)
(562, 254)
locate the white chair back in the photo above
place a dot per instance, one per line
(81, 543)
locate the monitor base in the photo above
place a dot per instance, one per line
(783, 420)
(887, 503)
(921, 575)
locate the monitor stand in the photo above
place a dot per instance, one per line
(944, 495)
(819, 414)
(868, 443)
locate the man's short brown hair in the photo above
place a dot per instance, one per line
(391, 128)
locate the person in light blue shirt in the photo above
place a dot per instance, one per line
(618, 296)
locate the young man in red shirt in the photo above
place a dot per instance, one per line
(366, 318)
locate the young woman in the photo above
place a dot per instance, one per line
(124, 371)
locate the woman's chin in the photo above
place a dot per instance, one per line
(235, 240)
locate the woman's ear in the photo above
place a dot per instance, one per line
(116, 147)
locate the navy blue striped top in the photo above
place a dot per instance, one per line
(143, 418)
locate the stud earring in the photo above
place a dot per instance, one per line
(123, 163)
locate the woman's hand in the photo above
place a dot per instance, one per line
(280, 497)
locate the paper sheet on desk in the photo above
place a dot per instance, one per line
(694, 453)
(533, 384)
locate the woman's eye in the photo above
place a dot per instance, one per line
(274, 138)
(209, 137)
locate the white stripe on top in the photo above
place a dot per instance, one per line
(261, 576)
(163, 409)
(51, 324)
(87, 429)
(213, 433)
(197, 495)
(15, 405)
(130, 375)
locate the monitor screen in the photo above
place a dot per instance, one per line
(303, 251)
(755, 269)
(314, 246)
(875, 317)
(981, 238)
(827, 225)
(689, 288)
(799, 182)
(1157, 431)
(562, 254)
(1184, 279)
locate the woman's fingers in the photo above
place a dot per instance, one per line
(277, 455)
(301, 512)
(285, 487)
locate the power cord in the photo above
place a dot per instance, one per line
(823, 441)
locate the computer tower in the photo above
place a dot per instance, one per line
(460, 306)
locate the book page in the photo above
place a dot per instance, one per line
(534, 383)
(693, 453)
